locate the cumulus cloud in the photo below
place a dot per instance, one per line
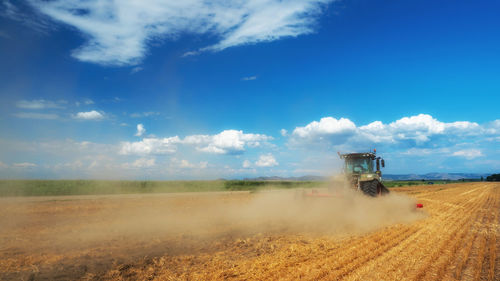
(266, 160)
(118, 32)
(325, 126)
(39, 104)
(327, 130)
(89, 115)
(226, 142)
(140, 130)
(150, 146)
(418, 130)
(283, 132)
(468, 153)
(493, 128)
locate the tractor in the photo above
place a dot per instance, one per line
(360, 175)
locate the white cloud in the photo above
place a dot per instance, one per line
(39, 104)
(33, 115)
(150, 146)
(88, 101)
(136, 69)
(246, 164)
(9, 10)
(326, 127)
(144, 114)
(140, 130)
(226, 142)
(283, 132)
(418, 129)
(25, 165)
(249, 78)
(118, 32)
(185, 164)
(493, 128)
(141, 163)
(468, 153)
(267, 160)
(90, 115)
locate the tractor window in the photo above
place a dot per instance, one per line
(359, 165)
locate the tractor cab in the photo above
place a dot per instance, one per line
(362, 170)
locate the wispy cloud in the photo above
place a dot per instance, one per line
(249, 78)
(119, 32)
(33, 115)
(13, 12)
(468, 153)
(39, 104)
(136, 69)
(144, 114)
(25, 165)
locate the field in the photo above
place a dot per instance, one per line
(270, 235)
(95, 187)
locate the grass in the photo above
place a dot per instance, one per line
(93, 187)
(390, 184)
(234, 185)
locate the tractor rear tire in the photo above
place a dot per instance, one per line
(373, 188)
(369, 188)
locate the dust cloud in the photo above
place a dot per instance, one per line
(211, 216)
(84, 234)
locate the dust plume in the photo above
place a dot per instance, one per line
(90, 233)
(209, 216)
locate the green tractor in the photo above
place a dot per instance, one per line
(360, 174)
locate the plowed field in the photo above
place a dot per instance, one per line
(228, 236)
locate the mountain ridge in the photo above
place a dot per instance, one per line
(427, 176)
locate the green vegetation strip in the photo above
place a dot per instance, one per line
(237, 185)
(96, 187)
(93, 187)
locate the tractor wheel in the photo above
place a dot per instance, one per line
(371, 188)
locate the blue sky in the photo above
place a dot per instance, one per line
(209, 89)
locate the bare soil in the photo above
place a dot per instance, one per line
(263, 236)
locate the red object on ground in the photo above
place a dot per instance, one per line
(420, 205)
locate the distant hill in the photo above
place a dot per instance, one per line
(434, 176)
(275, 178)
(428, 176)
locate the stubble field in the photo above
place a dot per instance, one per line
(263, 236)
